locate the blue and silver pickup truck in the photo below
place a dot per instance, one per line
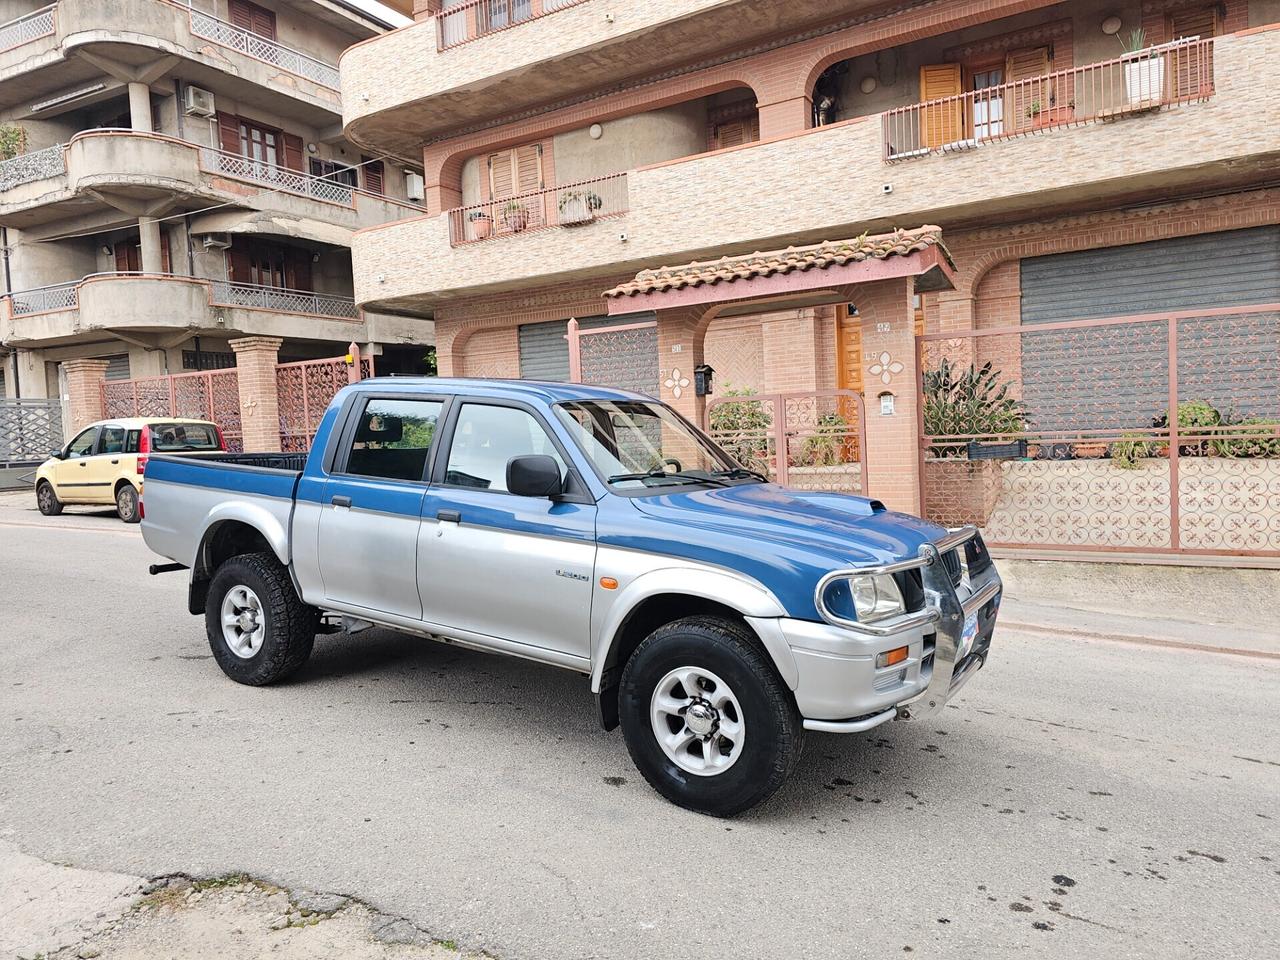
(718, 616)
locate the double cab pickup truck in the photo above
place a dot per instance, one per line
(719, 617)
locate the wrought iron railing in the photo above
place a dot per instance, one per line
(261, 48)
(283, 300)
(570, 205)
(476, 18)
(28, 27)
(30, 167)
(57, 296)
(1152, 79)
(282, 178)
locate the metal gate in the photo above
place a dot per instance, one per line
(811, 441)
(623, 355)
(29, 429)
(1150, 435)
(304, 390)
(203, 395)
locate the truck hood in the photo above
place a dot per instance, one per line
(785, 539)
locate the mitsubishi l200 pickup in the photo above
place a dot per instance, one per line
(718, 616)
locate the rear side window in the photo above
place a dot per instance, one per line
(393, 438)
(131, 441)
(182, 437)
(111, 440)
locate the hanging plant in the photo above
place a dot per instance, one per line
(13, 141)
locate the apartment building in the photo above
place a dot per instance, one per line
(175, 177)
(872, 219)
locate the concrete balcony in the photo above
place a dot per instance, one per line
(156, 303)
(42, 49)
(837, 181)
(487, 59)
(99, 166)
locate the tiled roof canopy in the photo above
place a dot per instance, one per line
(819, 256)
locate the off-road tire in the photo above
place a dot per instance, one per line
(127, 503)
(774, 734)
(291, 625)
(47, 499)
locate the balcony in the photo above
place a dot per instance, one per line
(39, 46)
(830, 182)
(478, 62)
(158, 302)
(568, 206)
(50, 184)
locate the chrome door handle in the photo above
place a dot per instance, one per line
(449, 516)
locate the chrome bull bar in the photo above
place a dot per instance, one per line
(943, 609)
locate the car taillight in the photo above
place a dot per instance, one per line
(144, 447)
(142, 465)
(142, 511)
(222, 443)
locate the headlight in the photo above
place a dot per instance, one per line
(865, 599)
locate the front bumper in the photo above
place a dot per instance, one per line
(838, 687)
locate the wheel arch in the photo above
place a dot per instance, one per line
(230, 535)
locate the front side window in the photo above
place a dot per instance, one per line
(486, 438)
(393, 439)
(637, 445)
(183, 437)
(82, 445)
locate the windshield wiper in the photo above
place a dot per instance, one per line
(664, 475)
(741, 472)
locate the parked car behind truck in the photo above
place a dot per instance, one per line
(104, 462)
(718, 616)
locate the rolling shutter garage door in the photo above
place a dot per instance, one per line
(1207, 271)
(544, 354)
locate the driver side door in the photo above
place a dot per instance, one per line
(71, 478)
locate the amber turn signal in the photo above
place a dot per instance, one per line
(890, 657)
(609, 583)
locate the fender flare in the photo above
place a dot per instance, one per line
(748, 597)
(251, 515)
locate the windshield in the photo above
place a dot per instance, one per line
(637, 445)
(172, 437)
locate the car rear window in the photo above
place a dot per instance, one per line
(174, 437)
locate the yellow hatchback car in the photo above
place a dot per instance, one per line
(104, 463)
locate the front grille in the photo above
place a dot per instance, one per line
(951, 563)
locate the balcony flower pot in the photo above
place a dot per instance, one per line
(1053, 117)
(515, 216)
(481, 225)
(1089, 450)
(579, 206)
(1144, 81)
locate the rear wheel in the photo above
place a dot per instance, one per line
(47, 500)
(707, 720)
(127, 503)
(259, 630)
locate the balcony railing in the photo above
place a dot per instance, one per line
(281, 178)
(222, 293)
(283, 300)
(261, 48)
(30, 167)
(28, 27)
(477, 18)
(1152, 79)
(570, 205)
(57, 296)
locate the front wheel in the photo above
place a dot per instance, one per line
(127, 503)
(259, 630)
(707, 720)
(47, 500)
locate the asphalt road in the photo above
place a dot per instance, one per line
(1078, 799)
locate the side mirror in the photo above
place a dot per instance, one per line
(534, 475)
(59, 454)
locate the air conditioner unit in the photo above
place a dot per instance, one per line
(413, 185)
(217, 241)
(198, 102)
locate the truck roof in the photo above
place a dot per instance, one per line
(547, 391)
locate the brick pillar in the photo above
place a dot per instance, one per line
(785, 116)
(679, 351)
(789, 351)
(256, 359)
(84, 392)
(892, 457)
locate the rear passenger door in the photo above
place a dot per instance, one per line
(372, 505)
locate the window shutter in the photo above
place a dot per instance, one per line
(229, 133)
(528, 160)
(1032, 95)
(1194, 23)
(251, 17)
(239, 267)
(373, 176)
(240, 14)
(298, 264)
(165, 265)
(941, 122)
(501, 176)
(1192, 67)
(292, 149)
(123, 249)
(732, 134)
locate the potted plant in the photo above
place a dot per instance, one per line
(481, 224)
(1089, 449)
(515, 216)
(579, 206)
(1143, 70)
